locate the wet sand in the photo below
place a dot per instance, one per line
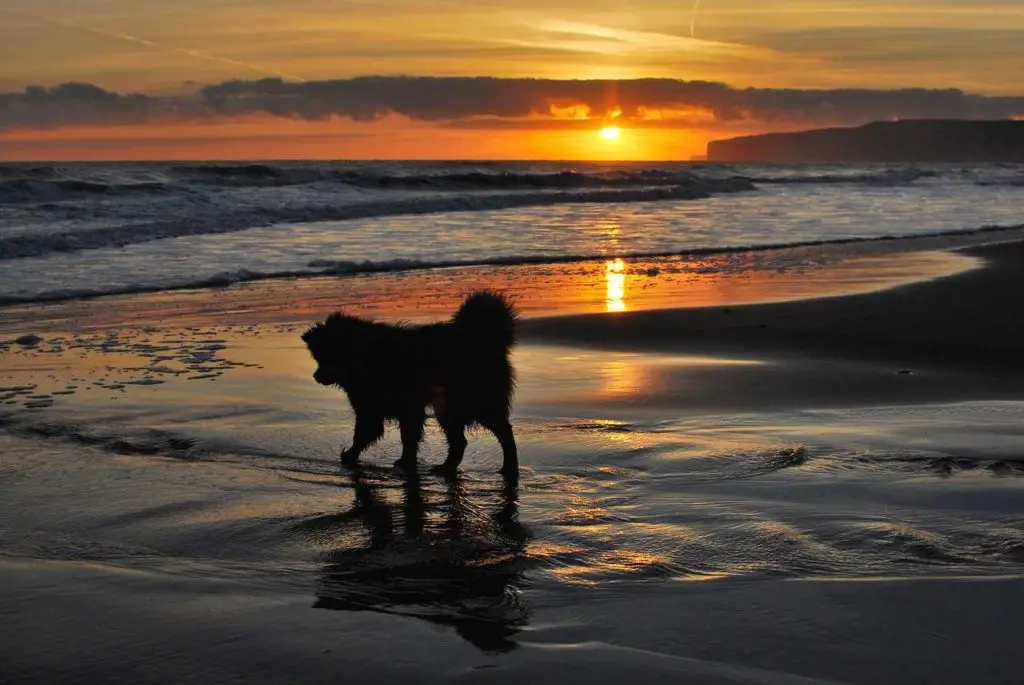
(774, 485)
(973, 319)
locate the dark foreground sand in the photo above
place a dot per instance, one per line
(817, 491)
(142, 628)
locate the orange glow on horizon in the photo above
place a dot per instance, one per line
(391, 137)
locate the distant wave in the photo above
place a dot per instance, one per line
(28, 171)
(50, 184)
(1009, 182)
(34, 184)
(21, 190)
(882, 177)
(264, 174)
(20, 246)
(327, 267)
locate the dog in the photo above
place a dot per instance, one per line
(394, 372)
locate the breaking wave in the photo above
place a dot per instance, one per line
(20, 246)
(264, 174)
(883, 177)
(22, 190)
(22, 184)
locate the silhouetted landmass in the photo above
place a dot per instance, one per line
(915, 140)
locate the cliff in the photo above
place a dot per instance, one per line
(920, 140)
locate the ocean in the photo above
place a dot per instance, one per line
(91, 229)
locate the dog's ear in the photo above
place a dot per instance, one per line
(335, 320)
(318, 330)
(313, 333)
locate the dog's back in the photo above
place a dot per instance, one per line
(481, 379)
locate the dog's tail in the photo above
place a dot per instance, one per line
(490, 318)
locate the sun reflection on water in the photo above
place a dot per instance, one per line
(615, 278)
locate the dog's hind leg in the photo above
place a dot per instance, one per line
(411, 427)
(455, 433)
(502, 430)
(368, 431)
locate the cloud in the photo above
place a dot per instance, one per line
(73, 103)
(472, 102)
(613, 41)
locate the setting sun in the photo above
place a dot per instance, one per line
(611, 132)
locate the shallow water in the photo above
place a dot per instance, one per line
(615, 491)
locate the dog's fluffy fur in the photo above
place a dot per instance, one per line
(395, 371)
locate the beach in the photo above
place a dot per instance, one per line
(796, 465)
(731, 290)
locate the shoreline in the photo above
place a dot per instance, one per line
(333, 269)
(842, 331)
(546, 290)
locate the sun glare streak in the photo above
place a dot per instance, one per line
(615, 278)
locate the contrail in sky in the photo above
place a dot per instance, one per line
(693, 19)
(196, 54)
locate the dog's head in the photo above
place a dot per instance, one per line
(337, 345)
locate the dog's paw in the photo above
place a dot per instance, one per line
(407, 464)
(349, 459)
(444, 470)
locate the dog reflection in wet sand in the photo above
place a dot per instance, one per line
(393, 372)
(431, 555)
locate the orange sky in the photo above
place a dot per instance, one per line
(169, 51)
(395, 137)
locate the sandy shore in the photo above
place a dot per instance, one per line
(808, 475)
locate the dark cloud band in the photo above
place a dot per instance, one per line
(461, 101)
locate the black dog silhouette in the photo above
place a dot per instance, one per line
(395, 371)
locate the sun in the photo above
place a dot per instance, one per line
(611, 132)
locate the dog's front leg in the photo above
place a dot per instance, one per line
(368, 431)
